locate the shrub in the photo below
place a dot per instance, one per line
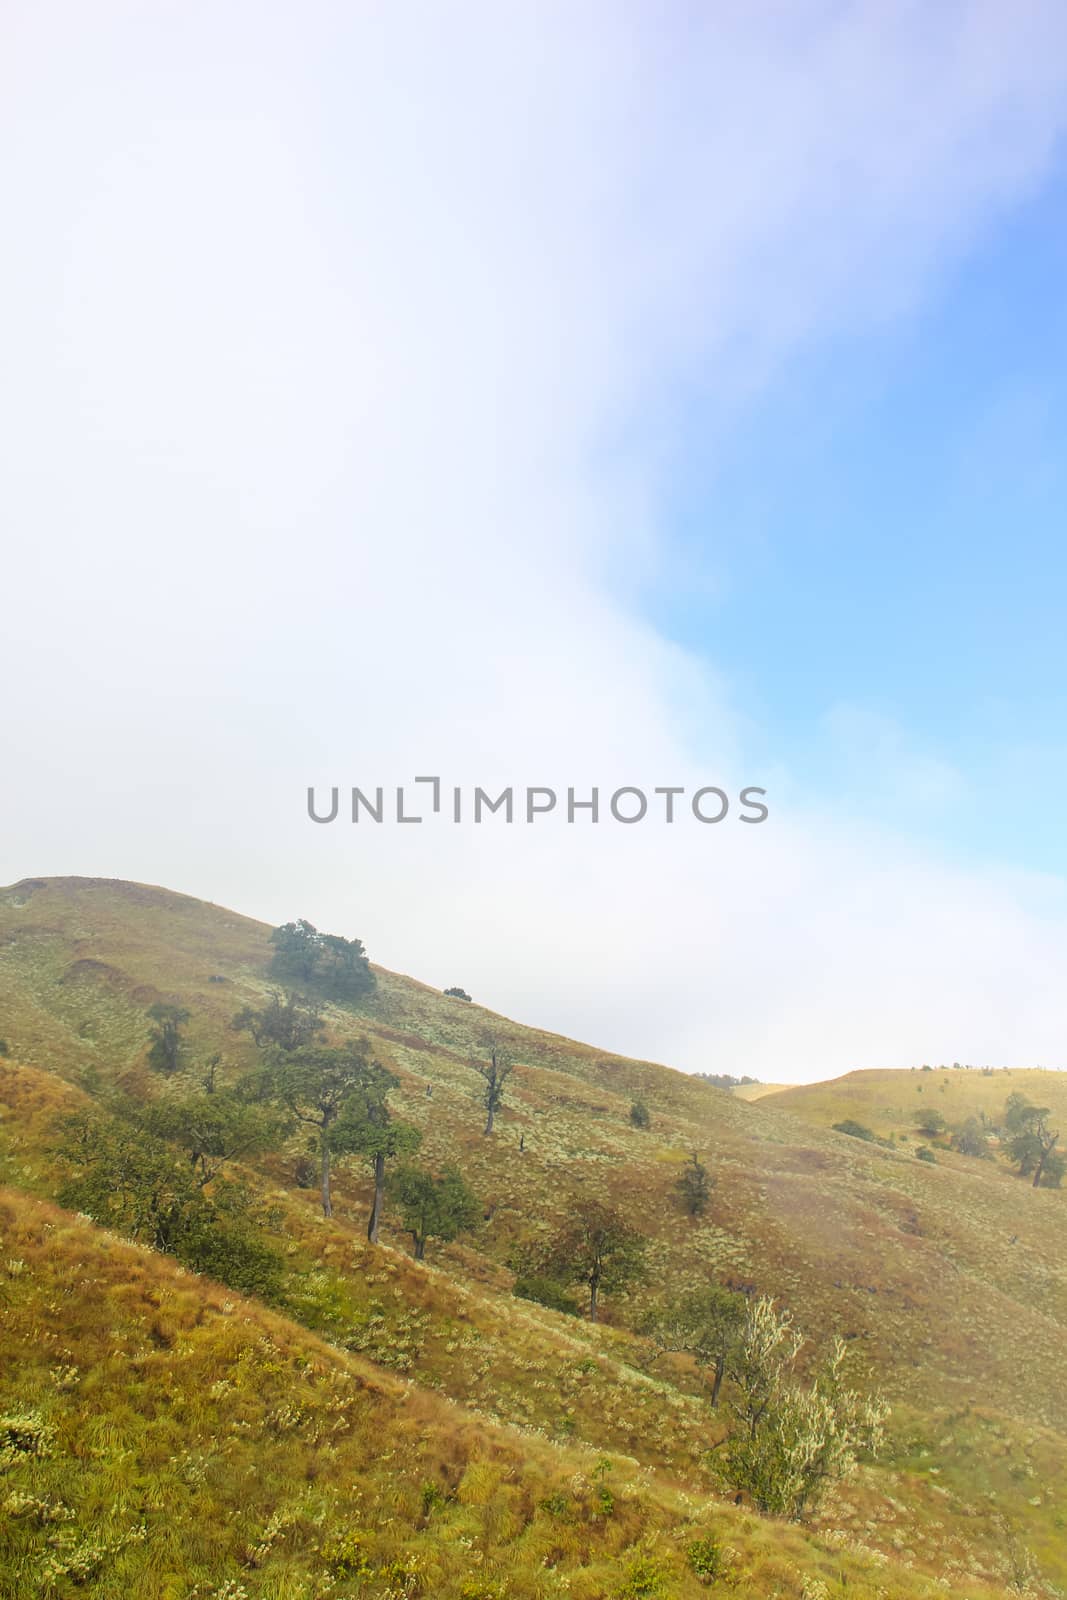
(694, 1186)
(856, 1130)
(791, 1440)
(433, 1498)
(639, 1116)
(346, 1555)
(456, 993)
(644, 1578)
(706, 1559)
(970, 1140)
(546, 1292)
(923, 1154)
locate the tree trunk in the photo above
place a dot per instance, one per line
(720, 1370)
(327, 1208)
(1046, 1151)
(420, 1246)
(376, 1204)
(489, 1120)
(594, 1295)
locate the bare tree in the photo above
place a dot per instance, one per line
(495, 1068)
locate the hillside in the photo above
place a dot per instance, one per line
(936, 1275)
(888, 1101)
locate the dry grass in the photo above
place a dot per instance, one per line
(911, 1263)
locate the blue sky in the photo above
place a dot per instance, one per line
(886, 528)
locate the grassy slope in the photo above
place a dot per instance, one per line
(855, 1239)
(889, 1101)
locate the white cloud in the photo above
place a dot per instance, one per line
(344, 355)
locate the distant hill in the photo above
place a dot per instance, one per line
(936, 1275)
(755, 1091)
(889, 1100)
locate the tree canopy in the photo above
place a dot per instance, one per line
(433, 1207)
(326, 962)
(596, 1248)
(330, 1089)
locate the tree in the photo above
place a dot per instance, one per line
(725, 1080)
(1032, 1143)
(494, 1070)
(289, 1021)
(705, 1324)
(970, 1139)
(694, 1187)
(639, 1116)
(126, 1178)
(596, 1248)
(326, 961)
(790, 1440)
(456, 993)
(211, 1127)
(369, 1128)
(433, 1207)
(931, 1122)
(326, 1088)
(167, 1047)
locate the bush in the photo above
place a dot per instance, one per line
(792, 1440)
(457, 994)
(128, 1179)
(923, 1154)
(4, 1048)
(856, 1130)
(546, 1292)
(644, 1578)
(970, 1140)
(706, 1559)
(639, 1116)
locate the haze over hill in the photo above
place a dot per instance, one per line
(937, 1275)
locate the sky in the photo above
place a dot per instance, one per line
(575, 395)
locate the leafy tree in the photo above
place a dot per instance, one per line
(923, 1154)
(335, 965)
(639, 1115)
(597, 1248)
(693, 1187)
(288, 1021)
(789, 1440)
(329, 1089)
(494, 1070)
(706, 1324)
(970, 1139)
(166, 1047)
(433, 1207)
(457, 994)
(211, 1127)
(931, 1122)
(128, 1179)
(369, 1129)
(1031, 1142)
